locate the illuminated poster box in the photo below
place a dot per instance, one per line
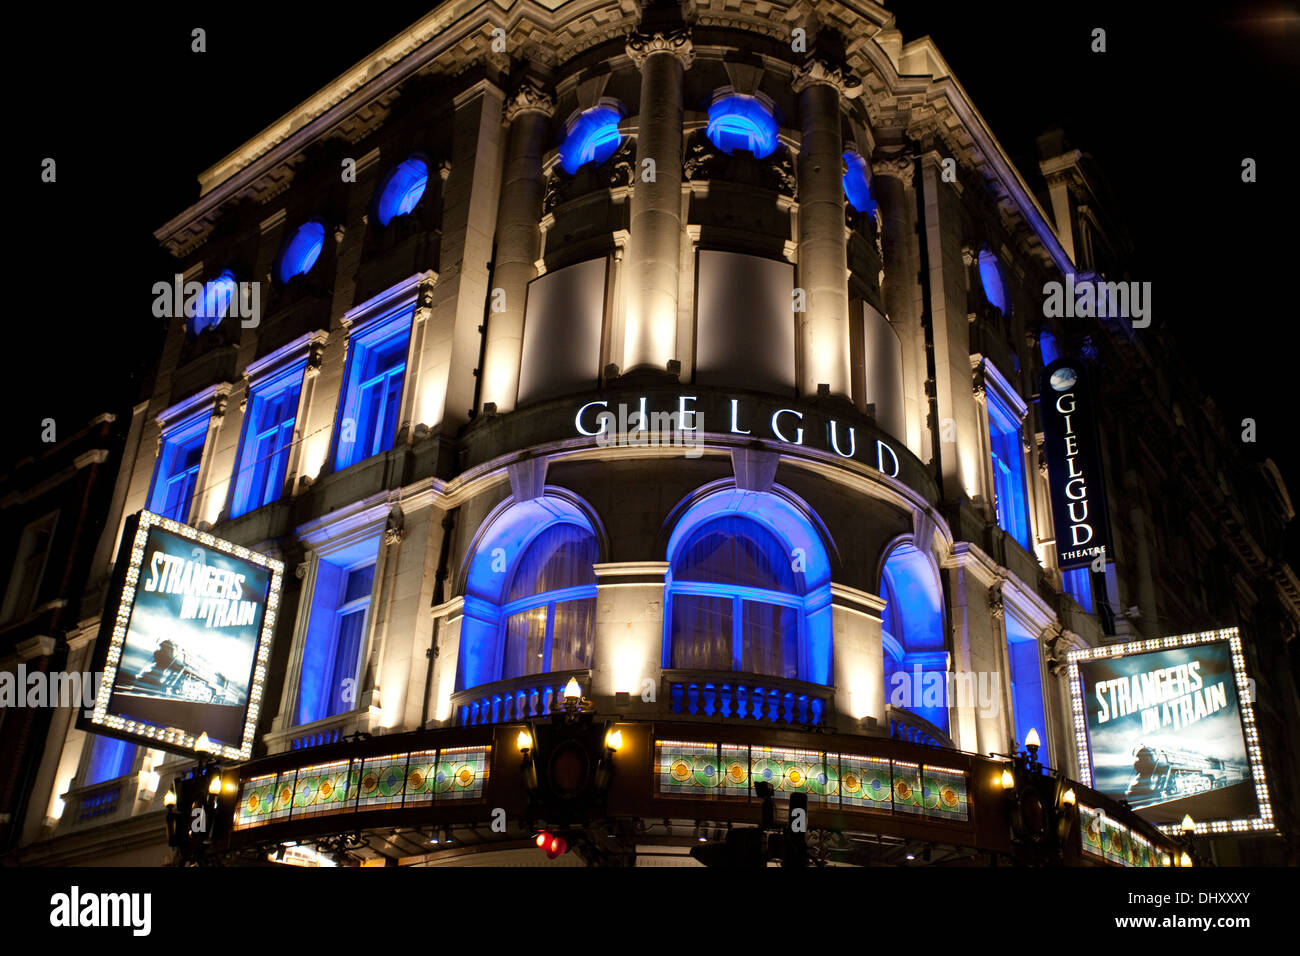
(184, 640)
(1168, 725)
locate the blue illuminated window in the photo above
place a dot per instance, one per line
(336, 630)
(550, 610)
(403, 189)
(110, 758)
(1026, 685)
(302, 251)
(1047, 347)
(739, 121)
(268, 437)
(177, 471)
(212, 307)
(1078, 584)
(735, 603)
(857, 188)
(991, 280)
(372, 393)
(592, 138)
(913, 632)
(1008, 470)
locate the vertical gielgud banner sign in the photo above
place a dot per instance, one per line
(1074, 466)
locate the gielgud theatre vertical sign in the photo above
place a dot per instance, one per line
(1168, 725)
(184, 640)
(1074, 466)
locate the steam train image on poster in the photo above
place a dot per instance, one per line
(177, 673)
(1163, 773)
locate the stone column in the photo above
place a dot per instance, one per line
(652, 266)
(823, 247)
(527, 114)
(859, 674)
(629, 634)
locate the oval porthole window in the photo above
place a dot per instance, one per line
(857, 188)
(403, 189)
(211, 307)
(592, 138)
(740, 121)
(991, 279)
(302, 251)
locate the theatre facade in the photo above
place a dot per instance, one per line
(646, 406)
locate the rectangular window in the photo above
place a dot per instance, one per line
(1078, 584)
(372, 390)
(336, 630)
(1026, 686)
(268, 437)
(29, 568)
(1008, 470)
(110, 758)
(177, 471)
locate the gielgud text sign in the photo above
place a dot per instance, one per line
(184, 640)
(1073, 466)
(1165, 723)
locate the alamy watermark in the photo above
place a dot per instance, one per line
(910, 690)
(214, 300)
(637, 428)
(1086, 298)
(40, 689)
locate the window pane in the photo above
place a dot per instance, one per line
(572, 634)
(109, 759)
(769, 640)
(701, 629)
(343, 697)
(525, 643)
(560, 557)
(359, 585)
(735, 550)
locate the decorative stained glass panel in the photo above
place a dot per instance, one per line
(256, 799)
(687, 768)
(864, 782)
(944, 794)
(383, 782)
(1091, 831)
(907, 787)
(321, 789)
(421, 772)
(468, 772)
(735, 770)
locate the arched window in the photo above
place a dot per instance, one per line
(857, 187)
(991, 279)
(403, 189)
(913, 633)
(748, 590)
(740, 121)
(302, 251)
(592, 138)
(530, 594)
(550, 610)
(212, 307)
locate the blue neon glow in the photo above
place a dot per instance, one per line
(372, 392)
(302, 251)
(1026, 685)
(592, 138)
(1008, 470)
(1047, 346)
(209, 310)
(268, 436)
(531, 557)
(402, 191)
(177, 470)
(755, 600)
(991, 279)
(331, 656)
(109, 759)
(740, 121)
(913, 628)
(857, 187)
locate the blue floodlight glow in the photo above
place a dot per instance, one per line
(856, 187)
(913, 626)
(991, 279)
(1047, 346)
(592, 138)
(403, 189)
(739, 121)
(302, 251)
(218, 293)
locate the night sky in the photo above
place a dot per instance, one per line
(1182, 95)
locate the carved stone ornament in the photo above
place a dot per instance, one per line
(395, 527)
(622, 164)
(530, 97)
(899, 167)
(677, 42)
(996, 607)
(315, 355)
(816, 71)
(300, 572)
(977, 385)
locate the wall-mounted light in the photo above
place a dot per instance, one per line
(524, 741)
(614, 740)
(214, 787)
(1008, 781)
(148, 785)
(1068, 798)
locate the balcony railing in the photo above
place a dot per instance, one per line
(749, 698)
(521, 698)
(905, 725)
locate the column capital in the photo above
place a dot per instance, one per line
(816, 71)
(676, 41)
(529, 97)
(899, 167)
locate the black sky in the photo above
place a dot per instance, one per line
(1182, 94)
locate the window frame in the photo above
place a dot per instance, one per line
(268, 387)
(193, 426)
(1003, 406)
(364, 338)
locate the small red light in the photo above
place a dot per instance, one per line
(541, 838)
(556, 847)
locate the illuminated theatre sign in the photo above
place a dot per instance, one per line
(1074, 466)
(184, 640)
(681, 420)
(1168, 725)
